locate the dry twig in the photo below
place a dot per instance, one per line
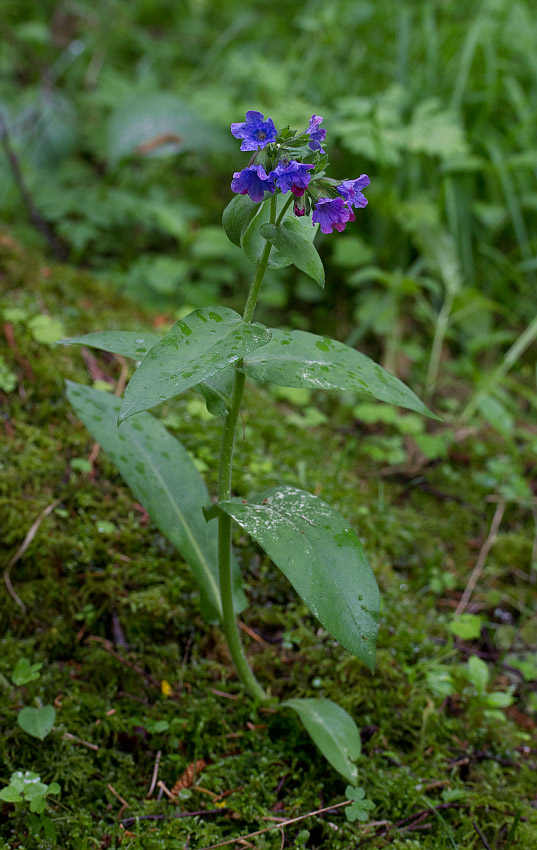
(483, 555)
(22, 549)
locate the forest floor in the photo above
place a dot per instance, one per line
(142, 686)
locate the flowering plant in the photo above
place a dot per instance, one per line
(215, 350)
(281, 166)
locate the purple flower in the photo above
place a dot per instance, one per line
(351, 191)
(253, 181)
(255, 131)
(299, 208)
(316, 136)
(292, 175)
(330, 213)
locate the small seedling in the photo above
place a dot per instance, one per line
(27, 790)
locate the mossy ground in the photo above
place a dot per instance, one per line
(422, 746)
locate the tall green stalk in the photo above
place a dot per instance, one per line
(225, 467)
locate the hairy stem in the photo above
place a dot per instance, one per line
(225, 468)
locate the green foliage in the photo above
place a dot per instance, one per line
(27, 788)
(321, 556)
(360, 807)
(196, 348)
(25, 672)
(333, 730)
(164, 478)
(37, 722)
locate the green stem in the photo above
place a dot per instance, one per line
(225, 467)
(285, 208)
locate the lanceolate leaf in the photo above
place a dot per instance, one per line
(216, 391)
(125, 343)
(321, 556)
(301, 359)
(195, 349)
(237, 215)
(290, 239)
(333, 730)
(163, 478)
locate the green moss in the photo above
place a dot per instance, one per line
(78, 584)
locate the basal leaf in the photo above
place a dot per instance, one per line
(301, 359)
(333, 730)
(163, 478)
(289, 238)
(321, 556)
(195, 349)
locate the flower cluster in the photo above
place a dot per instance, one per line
(278, 165)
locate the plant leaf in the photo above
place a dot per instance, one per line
(132, 344)
(10, 795)
(253, 242)
(196, 348)
(216, 391)
(37, 721)
(237, 216)
(333, 730)
(301, 359)
(321, 556)
(289, 239)
(163, 478)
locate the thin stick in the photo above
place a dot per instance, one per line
(482, 837)
(161, 785)
(203, 813)
(155, 774)
(68, 737)
(58, 248)
(22, 549)
(485, 549)
(276, 826)
(108, 647)
(118, 796)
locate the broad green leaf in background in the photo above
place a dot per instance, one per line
(216, 391)
(45, 328)
(333, 730)
(237, 216)
(290, 239)
(160, 124)
(163, 478)
(37, 721)
(196, 348)
(321, 556)
(301, 359)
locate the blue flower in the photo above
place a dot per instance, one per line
(351, 191)
(330, 213)
(316, 136)
(253, 181)
(292, 175)
(255, 131)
